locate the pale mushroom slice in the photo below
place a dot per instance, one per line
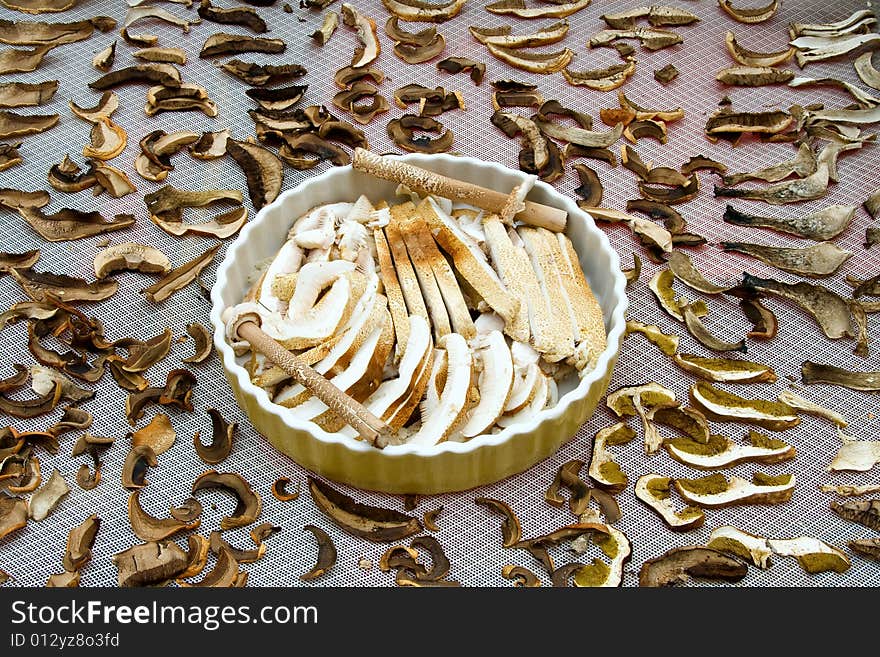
(396, 301)
(806, 406)
(470, 262)
(855, 455)
(724, 406)
(856, 21)
(419, 10)
(287, 261)
(495, 364)
(715, 491)
(440, 421)
(525, 376)
(404, 219)
(542, 397)
(640, 400)
(656, 492)
(604, 471)
(542, 254)
(133, 257)
(366, 30)
(516, 272)
(584, 308)
(866, 71)
(816, 48)
(813, 555)
(754, 549)
(616, 546)
(406, 275)
(721, 452)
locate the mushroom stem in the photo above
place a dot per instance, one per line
(370, 428)
(428, 182)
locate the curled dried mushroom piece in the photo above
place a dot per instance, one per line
(724, 406)
(249, 504)
(326, 553)
(720, 452)
(813, 555)
(149, 563)
(680, 564)
(220, 44)
(604, 471)
(403, 133)
(655, 491)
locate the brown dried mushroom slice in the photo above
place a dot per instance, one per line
(413, 54)
(133, 257)
(18, 261)
(510, 526)
(328, 27)
(85, 478)
(864, 512)
(222, 436)
(162, 55)
(825, 224)
(684, 270)
(403, 133)
(9, 156)
(326, 553)
(666, 74)
(816, 261)
(521, 576)
(166, 75)
(66, 288)
(867, 547)
(347, 76)
(462, 64)
(66, 176)
(656, 492)
(671, 195)
(203, 344)
(28, 33)
(753, 76)
(501, 36)
(262, 168)
(224, 574)
(427, 12)
(244, 16)
(724, 406)
(819, 373)
(19, 125)
(221, 44)
(651, 38)
(590, 189)
(397, 33)
(22, 61)
(544, 63)
(80, 541)
(262, 74)
(829, 309)
(279, 492)
(138, 461)
(680, 564)
(370, 47)
(249, 503)
(866, 71)
(180, 277)
(13, 514)
(667, 343)
(44, 501)
(656, 15)
(149, 563)
(748, 57)
(604, 471)
(604, 79)
(24, 94)
(518, 8)
(158, 435)
(103, 109)
(278, 98)
(702, 334)
(750, 15)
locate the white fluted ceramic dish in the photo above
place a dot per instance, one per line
(449, 466)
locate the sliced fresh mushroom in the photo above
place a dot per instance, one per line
(328, 27)
(829, 310)
(138, 461)
(221, 44)
(262, 168)
(462, 64)
(44, 501)
(822, 225)
(244, 16)
(518, 8)
(18, 125)
(165, 75)
(680, 564)
(249, 503)
(816, 261)
(372, 523)
(544, 63)
(721, 452)
(656, 492)
(605, 79)
(326, 553)
(716, 491)
(724, 406)
(813, 555)
(149, 563)
(180, 277)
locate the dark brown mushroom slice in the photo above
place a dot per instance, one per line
(143, 354)
(30, 408)
(313, 149)
(244, 16)
(278, 98)
(666, 74)
(510, 527)
(9, 156)
(868, 286)
(679, 564)
(520, 576)
(603, 79)
(17, 380)
(455, 65)
(180, 277)
(671, 195)
(561, 576)
(666, 176)
(23, 260)
(224, 574)
(16, 199)
(249, 503)
(67, 176)
(217, 543)
(131, 381)
(190, 510)
(872, 237)
(415, 54)
(72, 224)
(864, 512)
(345, 77)
(223, 433)
(820, 373)
(372, 523)
(429, 519)
(630, 159)
(103, 109)
(647, 128)
(872, 204)
(279, 491)
(576, 150)
(76, 419)
(764, 323)
(402, 133)
(439, 562)
(364, 113)
(203, 344)
(149, 563)
(726, 121)
(161, 55)
(409, 94)
(13, 124)
(262, 74)
(263, 170)
(397, 33)
(150, 528)
(326, 553)
(103, 60)
(538, 545)
(828, 308)
(550, 172)
(85, 478)
(80, 541)
(197, 556)
(178, 389)
(672, 220)
(590, 189)
(410, 502)
(343, 132)
(22, 61)
(165, 75)
(25, 94)
(221, 44)
(555, 108)
(138, 461)
(702, 163)
(867, 547)
(136, 402)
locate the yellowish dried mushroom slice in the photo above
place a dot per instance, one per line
(603, 470)
(667, 343)
(750, 15)
(640, 400)
(816, 261)
(616, 546)
(519, 9)
(813, 555)
(741, 544)
(821, 373)
(724, 406)
(716, 491)
(19, 125)
(725, 370)
(721, 452)
(605, 79)
(544, 63)
(651, 38)
(656, 491)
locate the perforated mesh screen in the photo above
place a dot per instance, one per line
(470, 535)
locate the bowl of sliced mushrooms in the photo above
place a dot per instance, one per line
(473, 312)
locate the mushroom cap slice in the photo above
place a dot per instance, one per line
(864, 512)
(44, 501)
(825, 224)
(544, 63)
(655, 491)
(715, 491)
(725, 370)
(366, 30)
(724, 406)
(816, 261)
(263, 170)
(604, 471)
(617, 547)
(545, 36)
(741, 544)
(813, 555)
(220, 44)
(149, 563)
(149, 528)
(855, 455)
(721, 452)
(604, 79)
(428, 12)
(640, 400)
(495, 383)
(679, 564)
(80, 540)
(518, 8)
(13, 514)
(249, 502)
(18, 125)
(751, 58)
